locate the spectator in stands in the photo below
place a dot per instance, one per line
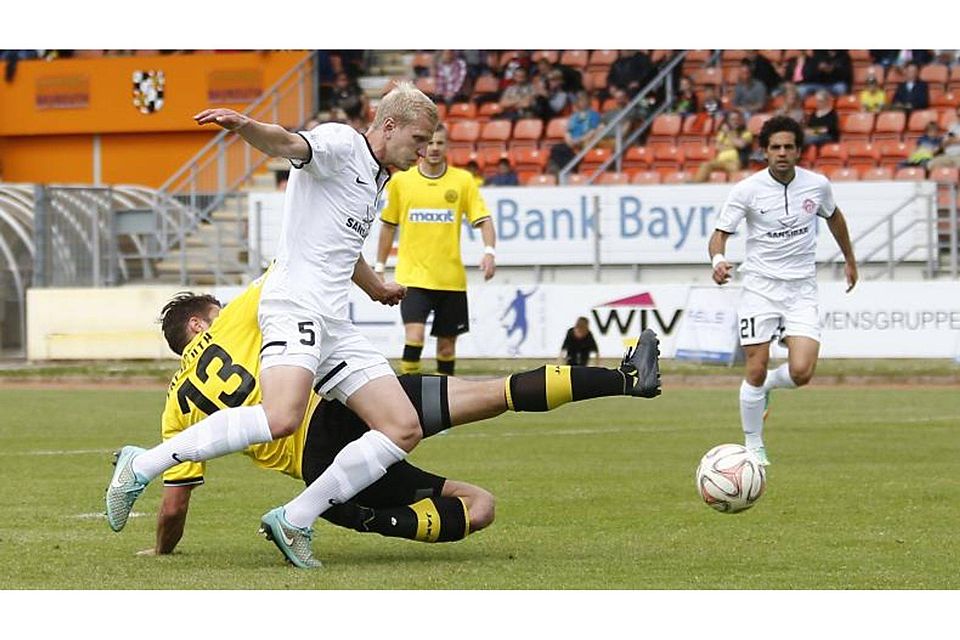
(686, 102)
(631, 72)
(749, 94)
(949, 57)
(928, 145)
(581, 126)
(950, 155)
(626, 125)
(799, 70)
(474, 170)
(711, 104)
(822, 125)
(900, 57)
(505, 175)
(478, 62)
(763, 70)
(520, 60)
(552, 99)
(792, 106)
(578, 344)
(450, 75)
(833, 71)
(912, 93)
(347, 95)
(519, 100)
(733, 141)
(872, 98)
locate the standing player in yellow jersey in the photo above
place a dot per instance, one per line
(219, 366)
(427, 203)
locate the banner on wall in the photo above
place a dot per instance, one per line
(657, 224)
(708, 332)
(62, 92)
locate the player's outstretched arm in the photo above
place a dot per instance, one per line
(838, 227)
(488, 263)
(388, 293)
(387, 233)
(722, 270)
(272, 139)
(171, 520)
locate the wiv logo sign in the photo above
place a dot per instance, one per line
(633, 314)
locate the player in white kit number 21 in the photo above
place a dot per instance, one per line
(331, 200)
(780, 205)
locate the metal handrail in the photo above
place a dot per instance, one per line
(621, 145)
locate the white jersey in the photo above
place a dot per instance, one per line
(781, 222)
(331, 200)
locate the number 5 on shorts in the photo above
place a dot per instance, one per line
(306, 328)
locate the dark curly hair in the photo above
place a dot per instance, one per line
(176, 313)
(779, 124)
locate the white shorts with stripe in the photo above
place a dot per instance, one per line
(778, 309)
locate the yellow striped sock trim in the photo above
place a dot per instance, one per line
(506, 392)
(466, 517)
(559, 388)
(407, 367)
(428, 520)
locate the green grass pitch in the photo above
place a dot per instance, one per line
(597, 495)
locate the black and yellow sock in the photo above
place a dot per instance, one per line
(445, 365)
(429, 520)
(547, 388)
(410, 362)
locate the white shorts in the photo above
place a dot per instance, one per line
(778, 309)
(340, 358)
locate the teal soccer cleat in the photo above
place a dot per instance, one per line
(125, 487)
(295, 544)
(761, 453)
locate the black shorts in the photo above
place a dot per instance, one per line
(333, 427)
(450, 314)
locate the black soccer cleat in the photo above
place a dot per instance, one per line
(641, 366)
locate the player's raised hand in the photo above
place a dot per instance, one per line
(850, 270)
(226, 118)
(722, 272)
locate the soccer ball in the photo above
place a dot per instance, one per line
(730, 478)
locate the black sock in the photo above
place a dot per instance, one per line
(445, 366)
(410, 362)
(547, 388)
(429, 520)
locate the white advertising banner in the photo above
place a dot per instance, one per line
(708, 330)
(661, 224)
(875, 320)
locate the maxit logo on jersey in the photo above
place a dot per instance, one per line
(441, 216)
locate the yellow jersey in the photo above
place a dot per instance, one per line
(429, 212)
(220, 368)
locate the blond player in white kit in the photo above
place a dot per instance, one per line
(780, 205)
(331, 200)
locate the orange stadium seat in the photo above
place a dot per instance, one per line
(594, 158)
(677, 177)
(636, 159)
(646, 177)
(773, 55)
(460, 156)
(610, 104)
(847, 104)
(576, 58)
(697, 127)
(893, 152)
(491, 156)
(843, 174)
(542, 180)
(953, 82)
(707, 76)
(860, 76)
(659, 55)
(856, 126)
(462, 111)
(935, 74)
(877, 173)
(945, 175)
(737, 176)
(529, 159)
(860, 57)
(464, 135)
(912, 174)
(697, 58)
(578, 179)
(862, 155)
(889, 126)
(695, 154)
(555, 133)
(918, 122)
(730, 77)
(486, 87)
(613, 178)
(832, 154)
(595, 79)
(667, 158)
(893, 78)
(944, 100)
(488, 111)
(732, 57)
(602, 59)
(808, 156)
(551, 56)
(947, 118)
(505, 57)
(526, 134)
(755, 123)
(665, 128)
(718, 177)
(494, 135)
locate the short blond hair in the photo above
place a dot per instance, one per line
(405, 103)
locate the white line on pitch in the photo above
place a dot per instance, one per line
(102, 516)
(68, 452)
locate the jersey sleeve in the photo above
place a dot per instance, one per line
(734, 210)
(391, 210)
(475, 207)
(330, 148)
(186, 473)
(827, 202)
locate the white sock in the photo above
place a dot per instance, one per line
(751, 414)
(779, 378)
(224, 432)
(356, 467)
